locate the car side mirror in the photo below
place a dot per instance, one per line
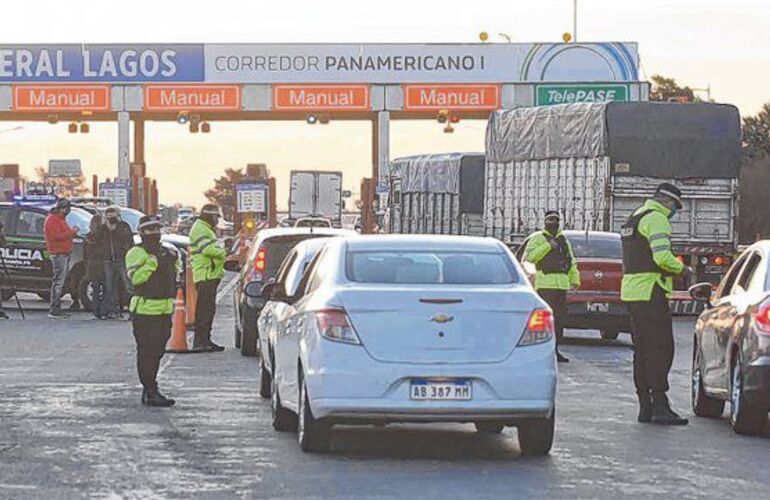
(702, 292)
(232, 265)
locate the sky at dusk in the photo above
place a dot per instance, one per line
(723, 44)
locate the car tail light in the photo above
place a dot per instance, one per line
(333, 324)
(762, 317)
(540, 328)
(261, 261)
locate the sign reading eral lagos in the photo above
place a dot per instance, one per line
(398, 63)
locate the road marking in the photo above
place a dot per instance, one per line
(224, 291)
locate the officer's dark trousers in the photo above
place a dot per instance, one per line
(653, 339)
(205, 309)
(151, 334)
(557, 299)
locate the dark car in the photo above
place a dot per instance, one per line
(25, 256)
(268, 250)
(596, 305)
(731, 348)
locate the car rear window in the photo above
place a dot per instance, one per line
(596, 248)
(429, 268)
(278, 247)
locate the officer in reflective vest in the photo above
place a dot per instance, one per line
(208, 267)
(648, 270)
(551, 253)
(152, 270)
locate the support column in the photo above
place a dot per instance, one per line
(124, 140)
(139, 140)
(381, 147)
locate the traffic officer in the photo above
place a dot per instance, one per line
(208, 264)
(152, 269)
(551, 253)
(648, 270)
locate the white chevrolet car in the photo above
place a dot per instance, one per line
(389, 329)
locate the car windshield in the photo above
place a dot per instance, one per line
(427, 268)
(278, 247)
(596, 247)
(80, 219)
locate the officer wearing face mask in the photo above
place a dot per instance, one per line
(152, 269)
(208, 268)
(551, 253)
(649, 267)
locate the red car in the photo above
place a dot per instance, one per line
(596, 305)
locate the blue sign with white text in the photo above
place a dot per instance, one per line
(102, 63)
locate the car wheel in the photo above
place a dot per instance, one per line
(702, 404)
(283, 419)
(85, 293)
(265, 380)
(489, 427)
(249, 333)
(744, 417)
(609, 333)
(44, 296)
(536, 436)
(313, 435)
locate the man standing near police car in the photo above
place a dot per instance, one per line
(152, 269)
(648, 270)
(58, 241)
(208, 268)
(551, 253)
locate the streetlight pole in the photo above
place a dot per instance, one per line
(574, 21)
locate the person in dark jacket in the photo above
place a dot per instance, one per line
(94, 255)
(3, 314)
(118, 241)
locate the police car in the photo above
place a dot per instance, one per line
(24, 255)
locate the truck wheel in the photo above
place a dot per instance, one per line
(609, 333)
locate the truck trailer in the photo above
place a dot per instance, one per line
(596, 163)
(316, 193)
(436, 194)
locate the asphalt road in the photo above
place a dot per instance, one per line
(71, 426)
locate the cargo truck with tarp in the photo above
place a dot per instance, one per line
(596, 163)
(436, 194)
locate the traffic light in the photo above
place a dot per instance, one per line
(443, 116)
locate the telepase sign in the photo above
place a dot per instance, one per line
(320, 63)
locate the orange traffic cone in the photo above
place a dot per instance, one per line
(178, 343)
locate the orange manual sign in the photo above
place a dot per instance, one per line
(192, 97)
(459, 97)
(321, 98)
(49, 98)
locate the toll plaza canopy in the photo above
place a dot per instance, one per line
(374, 82)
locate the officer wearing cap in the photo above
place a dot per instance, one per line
(648, 270)
(208, 268)
(551, 253)
(152, 269)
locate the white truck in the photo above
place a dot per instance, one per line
(596, 163)
(316, 193)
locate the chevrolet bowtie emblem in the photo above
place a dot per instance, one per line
(441, 318)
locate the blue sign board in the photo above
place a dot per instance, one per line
(102, 63)
(119, 191)
(251, 197)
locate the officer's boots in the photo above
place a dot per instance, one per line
(662, 414)
(645, 408)
(156, 399)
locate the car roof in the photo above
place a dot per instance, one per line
(592, 234)
(439, 243)
(295, 231)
